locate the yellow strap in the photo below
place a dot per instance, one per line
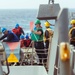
(50, 31)
(71, 31)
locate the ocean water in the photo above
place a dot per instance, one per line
(10, 17)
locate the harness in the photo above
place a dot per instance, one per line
(48, 34)
(72, 34)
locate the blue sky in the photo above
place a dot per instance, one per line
(33, 4)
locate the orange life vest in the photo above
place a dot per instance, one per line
(25, 43)
(15, 31)
(19, 30)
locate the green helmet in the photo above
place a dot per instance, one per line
(37, 22)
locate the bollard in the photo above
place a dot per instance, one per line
(64, 51)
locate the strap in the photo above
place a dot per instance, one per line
(71, 31)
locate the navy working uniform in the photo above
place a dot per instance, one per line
(9, 35)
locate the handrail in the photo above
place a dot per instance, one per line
(1, 71)
(7, 67)
(6, 63)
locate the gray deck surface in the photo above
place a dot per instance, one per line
(26, 70)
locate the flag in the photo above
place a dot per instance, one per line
(31, 25)
(12, 50)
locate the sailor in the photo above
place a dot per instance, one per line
(15, 30)
(48, 34)
(37, 37)
(24, 42)
(9, 35)
(20, 30)
(72, 32)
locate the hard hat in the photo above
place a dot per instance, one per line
(3, 30)
(47, 24)
(72, 22)
(27, 36)
(22, 37)
(37, 22)
(17, 25)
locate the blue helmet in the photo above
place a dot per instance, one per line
(3, 30)
(27, 36)
(17, 25)
(22, 37)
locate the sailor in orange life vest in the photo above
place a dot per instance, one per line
(9, 35)
(24, 42)
(20, 30)
(72, 32)
(37, 37)
(16, 31)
